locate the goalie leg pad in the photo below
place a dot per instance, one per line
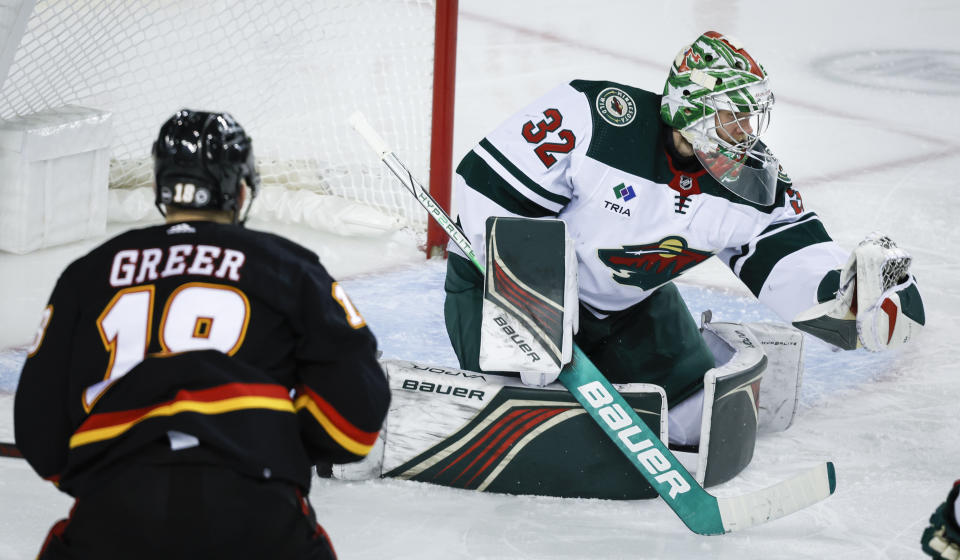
(491, 433)
(369, 467)
(685, 421)
(779, 396)
(728, 432)
(780, 389)
(530, 300)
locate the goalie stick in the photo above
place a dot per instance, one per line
(700, 511)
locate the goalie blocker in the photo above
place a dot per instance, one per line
(530, 301)
(489, 432)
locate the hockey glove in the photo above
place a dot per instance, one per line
(877, 305)
(942, 538)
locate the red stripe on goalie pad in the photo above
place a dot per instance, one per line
(890, 309)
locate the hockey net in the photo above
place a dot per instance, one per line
(290, 72)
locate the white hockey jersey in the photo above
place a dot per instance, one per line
(594, 155)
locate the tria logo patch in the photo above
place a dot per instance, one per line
(651, 265)
(624, 193)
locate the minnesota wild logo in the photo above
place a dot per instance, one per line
(616, 106)
(651, 265)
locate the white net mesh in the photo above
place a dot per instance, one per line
(290, 72)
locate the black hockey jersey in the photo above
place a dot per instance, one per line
(236, 345)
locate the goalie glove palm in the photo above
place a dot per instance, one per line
(889, 308)
(877, 306)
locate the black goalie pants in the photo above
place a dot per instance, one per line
(189, 511)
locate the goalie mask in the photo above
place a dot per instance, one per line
(202, 162)
(719, 98)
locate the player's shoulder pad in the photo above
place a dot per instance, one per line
(279, 244)
(288, 251)
(104, 252)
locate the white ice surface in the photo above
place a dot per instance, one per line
(864, 157)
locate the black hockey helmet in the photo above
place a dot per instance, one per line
(199, 161)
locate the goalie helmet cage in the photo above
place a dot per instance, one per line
(290, 72)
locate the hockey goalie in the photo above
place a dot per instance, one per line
(584, 207)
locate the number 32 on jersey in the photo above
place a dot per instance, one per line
(537, 133)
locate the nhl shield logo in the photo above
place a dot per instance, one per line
(616, 106)
(686, 182)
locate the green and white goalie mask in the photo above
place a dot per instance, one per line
(719, 98)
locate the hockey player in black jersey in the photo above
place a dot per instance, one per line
(187, 376)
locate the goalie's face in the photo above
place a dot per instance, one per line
(734, 128)
(727, 144)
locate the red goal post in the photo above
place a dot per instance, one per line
(441, 149)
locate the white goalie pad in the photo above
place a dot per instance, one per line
(779, 394)
(427, 404)
(779, 397)
(731, 394)
(432, 405)
(780, 389)
(530, 304)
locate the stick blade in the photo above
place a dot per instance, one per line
(779, 500)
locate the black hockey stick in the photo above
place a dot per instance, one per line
(702, 512)
(10, 450)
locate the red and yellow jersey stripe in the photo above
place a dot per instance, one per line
(341, 430)
(216, 400)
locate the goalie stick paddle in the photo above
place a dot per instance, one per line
(700, 511)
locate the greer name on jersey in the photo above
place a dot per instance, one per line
(597, 155)
(136, 266)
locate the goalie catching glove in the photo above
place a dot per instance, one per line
(877, 305)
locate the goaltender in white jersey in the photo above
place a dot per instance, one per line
(652, 185)
(639, 217)
(582, 208)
